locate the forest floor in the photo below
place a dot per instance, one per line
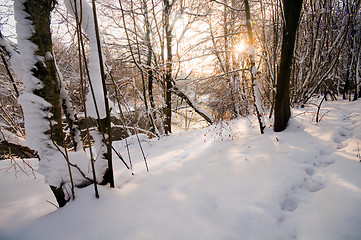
(222, 182)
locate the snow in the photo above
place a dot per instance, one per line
(256, 93)
(27, 49)
(99, 149)
(11, 137)
(252, 52)
(34, 107)
(53, 164)
(87, 24)
(223, 182)
(67, 104)
(15, 59)
(37, 115)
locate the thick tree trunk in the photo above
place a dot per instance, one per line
(292, 10)
(45, 70)
(39, 11)
(43, 99)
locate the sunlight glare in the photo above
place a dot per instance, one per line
(241, 47)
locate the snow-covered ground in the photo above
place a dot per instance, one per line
(222, 182)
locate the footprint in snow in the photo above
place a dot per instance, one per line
(327, 162)
(290, 202)
(298, 194)
(310, 171)
(323, 163)
(325, 151)
(314, 184)
(341, 136)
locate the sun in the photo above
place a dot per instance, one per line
(241, 47)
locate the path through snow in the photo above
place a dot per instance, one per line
(323, 215)
(223, 182)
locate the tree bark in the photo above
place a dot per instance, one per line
(149, 71)
(39, 11)
(45, 70)
(168, 69)
(292, 10)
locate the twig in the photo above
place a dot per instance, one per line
(228, 6)
(7, 67)
(324, 115)
(135, 129)
(120, 157)
(350, 116)
(52, 203)
(130, 159)
(141, 149)
(319, 107)
(68, 161)
(13, 164)
(10, 76)
(65, 155)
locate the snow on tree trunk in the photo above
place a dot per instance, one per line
(40, 115)
(87, 24)
(69, 112)
(254, 71)
(41, 101)
(96, 104)
(255, 91)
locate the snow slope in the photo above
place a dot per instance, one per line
(223, 182)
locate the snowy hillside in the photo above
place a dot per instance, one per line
(223, 182)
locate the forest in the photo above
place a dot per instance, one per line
(92, 90)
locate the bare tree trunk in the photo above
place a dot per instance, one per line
(197, 109)
(168, 69)
(149, 71)
(292, 10)
(149, 58)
